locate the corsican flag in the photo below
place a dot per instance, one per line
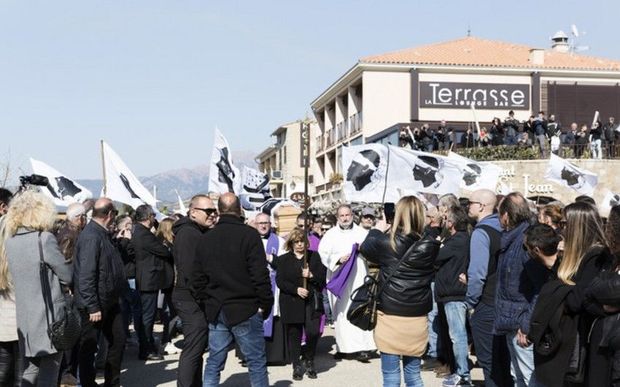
(61, 189)
(255, 188)
(182, 209)
(223, 175)
(121, 184)
(476, 174)
(424, 172)
(611, 200)
(365, 170)
(376, 173)
(569, 175)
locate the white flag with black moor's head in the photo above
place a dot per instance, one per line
(223, 175)
(365, 170)
(423, 172)
(121, 184)
(255, 188)
(61, 189)
(476, 174)
(379, 173)
(569, 175)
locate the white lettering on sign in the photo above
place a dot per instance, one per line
(483, 95)
(535, 188)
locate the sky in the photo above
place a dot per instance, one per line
(154, 78)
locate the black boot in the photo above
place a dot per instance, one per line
(310, 371)
(298, 372)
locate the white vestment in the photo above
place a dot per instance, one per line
(274, 254)
(336, 243)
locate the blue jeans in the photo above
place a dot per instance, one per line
(434, 343)
(521, 361)
(249, 336)
(491, 349)
(456, 314)
(390, 367)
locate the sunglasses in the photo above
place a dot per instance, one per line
(208, 211)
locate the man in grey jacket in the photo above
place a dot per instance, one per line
(99, 280)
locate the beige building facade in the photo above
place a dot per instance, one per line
(427, 84)
(283, 160)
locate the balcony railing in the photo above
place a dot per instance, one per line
(356, 121)
(331, 137)
(342, 130)
(319, 143)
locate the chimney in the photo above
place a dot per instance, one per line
(560, 42)
(537, 56)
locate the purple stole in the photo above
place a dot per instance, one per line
(340, 278)
(273, 246)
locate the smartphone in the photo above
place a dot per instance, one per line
(389, 210)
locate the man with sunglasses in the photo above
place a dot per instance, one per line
(201, 216)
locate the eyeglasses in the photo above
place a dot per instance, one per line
(480, 204)
(208, 211)
(325, 228)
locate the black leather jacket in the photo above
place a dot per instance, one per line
(408, 292)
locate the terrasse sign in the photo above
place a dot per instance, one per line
(452, 95)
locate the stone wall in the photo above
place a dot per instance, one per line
(528, 177)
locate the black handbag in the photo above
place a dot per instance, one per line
(363, 309)
(64, 330)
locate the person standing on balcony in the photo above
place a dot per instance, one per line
(540, 131)
(610, 133)
(596, 134)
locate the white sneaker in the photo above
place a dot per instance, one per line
(171, 349)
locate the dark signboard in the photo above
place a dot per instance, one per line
(457, 95)
(304, 140)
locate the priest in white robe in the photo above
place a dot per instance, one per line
(335, 248)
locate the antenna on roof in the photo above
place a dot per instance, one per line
(468, 30)
(575, 34)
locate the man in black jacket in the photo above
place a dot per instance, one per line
(153, 272)
(233, 281)
(99, 281)
(451, 262)
(202, 216)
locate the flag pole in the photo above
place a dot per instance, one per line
(305, 127)
(105, 182)
(473, 109)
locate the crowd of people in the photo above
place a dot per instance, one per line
(532, 291)
(595, 141)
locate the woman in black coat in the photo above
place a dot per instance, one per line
(301, 307)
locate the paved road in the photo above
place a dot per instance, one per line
(331, 372)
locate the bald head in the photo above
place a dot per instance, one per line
(103, 207)
(482, 203)
(229, 204)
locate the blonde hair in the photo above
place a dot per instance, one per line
(164, 231)
(31, 210)
(584, 229)
(409, 218)
(5, 277)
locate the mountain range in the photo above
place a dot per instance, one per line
(188, 181)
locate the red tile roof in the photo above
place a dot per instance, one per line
(472, 51)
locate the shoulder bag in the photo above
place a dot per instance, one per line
(363, 309)
(65, 330)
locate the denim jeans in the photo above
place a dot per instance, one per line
(456, 314)
(595, 148)
(491, 350)
(390, 367)
(132, 310)
(434, 342)
(521, 361)
(249, 336)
